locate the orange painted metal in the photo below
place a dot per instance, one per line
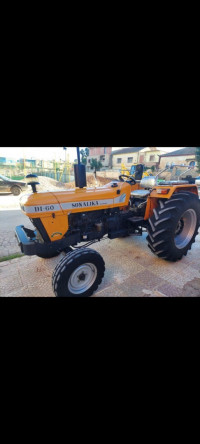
(53, 208)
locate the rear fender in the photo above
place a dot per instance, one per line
(156, 195)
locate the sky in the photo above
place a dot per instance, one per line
(38, 153)
(50, 153)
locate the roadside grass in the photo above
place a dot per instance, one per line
(11, 256)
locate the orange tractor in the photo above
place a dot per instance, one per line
(71, 221)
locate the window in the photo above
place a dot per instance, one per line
(130, 159)
(102, 158)
(119, 160)
(152, 158)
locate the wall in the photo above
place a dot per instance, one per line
(108, 174)
(175, 159)
(97, 152)
(124, 160)
(142, 156)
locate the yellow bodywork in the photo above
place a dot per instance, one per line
(124, 170)
(54, 213)
(53, 208)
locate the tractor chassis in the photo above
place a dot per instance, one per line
(30, 245)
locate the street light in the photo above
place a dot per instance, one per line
(65, 150)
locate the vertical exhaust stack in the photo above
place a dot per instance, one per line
(80, 172)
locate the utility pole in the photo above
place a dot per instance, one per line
(65, 150)
(24, 162)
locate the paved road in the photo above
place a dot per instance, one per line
(131, 270)
(9, 219)
(10, 216)
(8, 201)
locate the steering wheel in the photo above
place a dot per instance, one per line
(131, 180)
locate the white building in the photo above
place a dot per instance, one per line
(149, 156)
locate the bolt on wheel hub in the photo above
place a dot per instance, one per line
(82, 278)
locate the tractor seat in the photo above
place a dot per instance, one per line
(140, 194)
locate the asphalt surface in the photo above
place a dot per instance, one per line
(9, 219)
(10, 216)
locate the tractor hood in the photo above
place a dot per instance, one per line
(114, 194)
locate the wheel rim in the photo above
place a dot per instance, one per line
(82, 278)
(185, 229)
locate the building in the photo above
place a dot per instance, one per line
(149, 156)
(100, 153)
(186, 156)
(28, 162)
(7, 161)
(47, 164)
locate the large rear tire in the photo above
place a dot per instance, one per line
(174, 226)
(78, 274)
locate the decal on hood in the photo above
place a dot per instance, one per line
(84, 204)
(73, 205)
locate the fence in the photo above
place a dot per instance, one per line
(58, 175)
(16, 173)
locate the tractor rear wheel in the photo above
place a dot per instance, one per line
(78, 274)
(174, 226)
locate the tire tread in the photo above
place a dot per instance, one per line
(160, 240)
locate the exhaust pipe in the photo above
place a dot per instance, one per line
(80, 172)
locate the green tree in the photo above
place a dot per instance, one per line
(198, 157)
(84, 153)
(94, 164)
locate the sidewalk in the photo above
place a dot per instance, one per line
(8, 241)
(131, 270)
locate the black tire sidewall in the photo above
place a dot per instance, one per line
(62, 285)
(193, 205)
(17, 189)
(161, 239)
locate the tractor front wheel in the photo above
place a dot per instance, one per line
(78, 274)
(174, 226)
